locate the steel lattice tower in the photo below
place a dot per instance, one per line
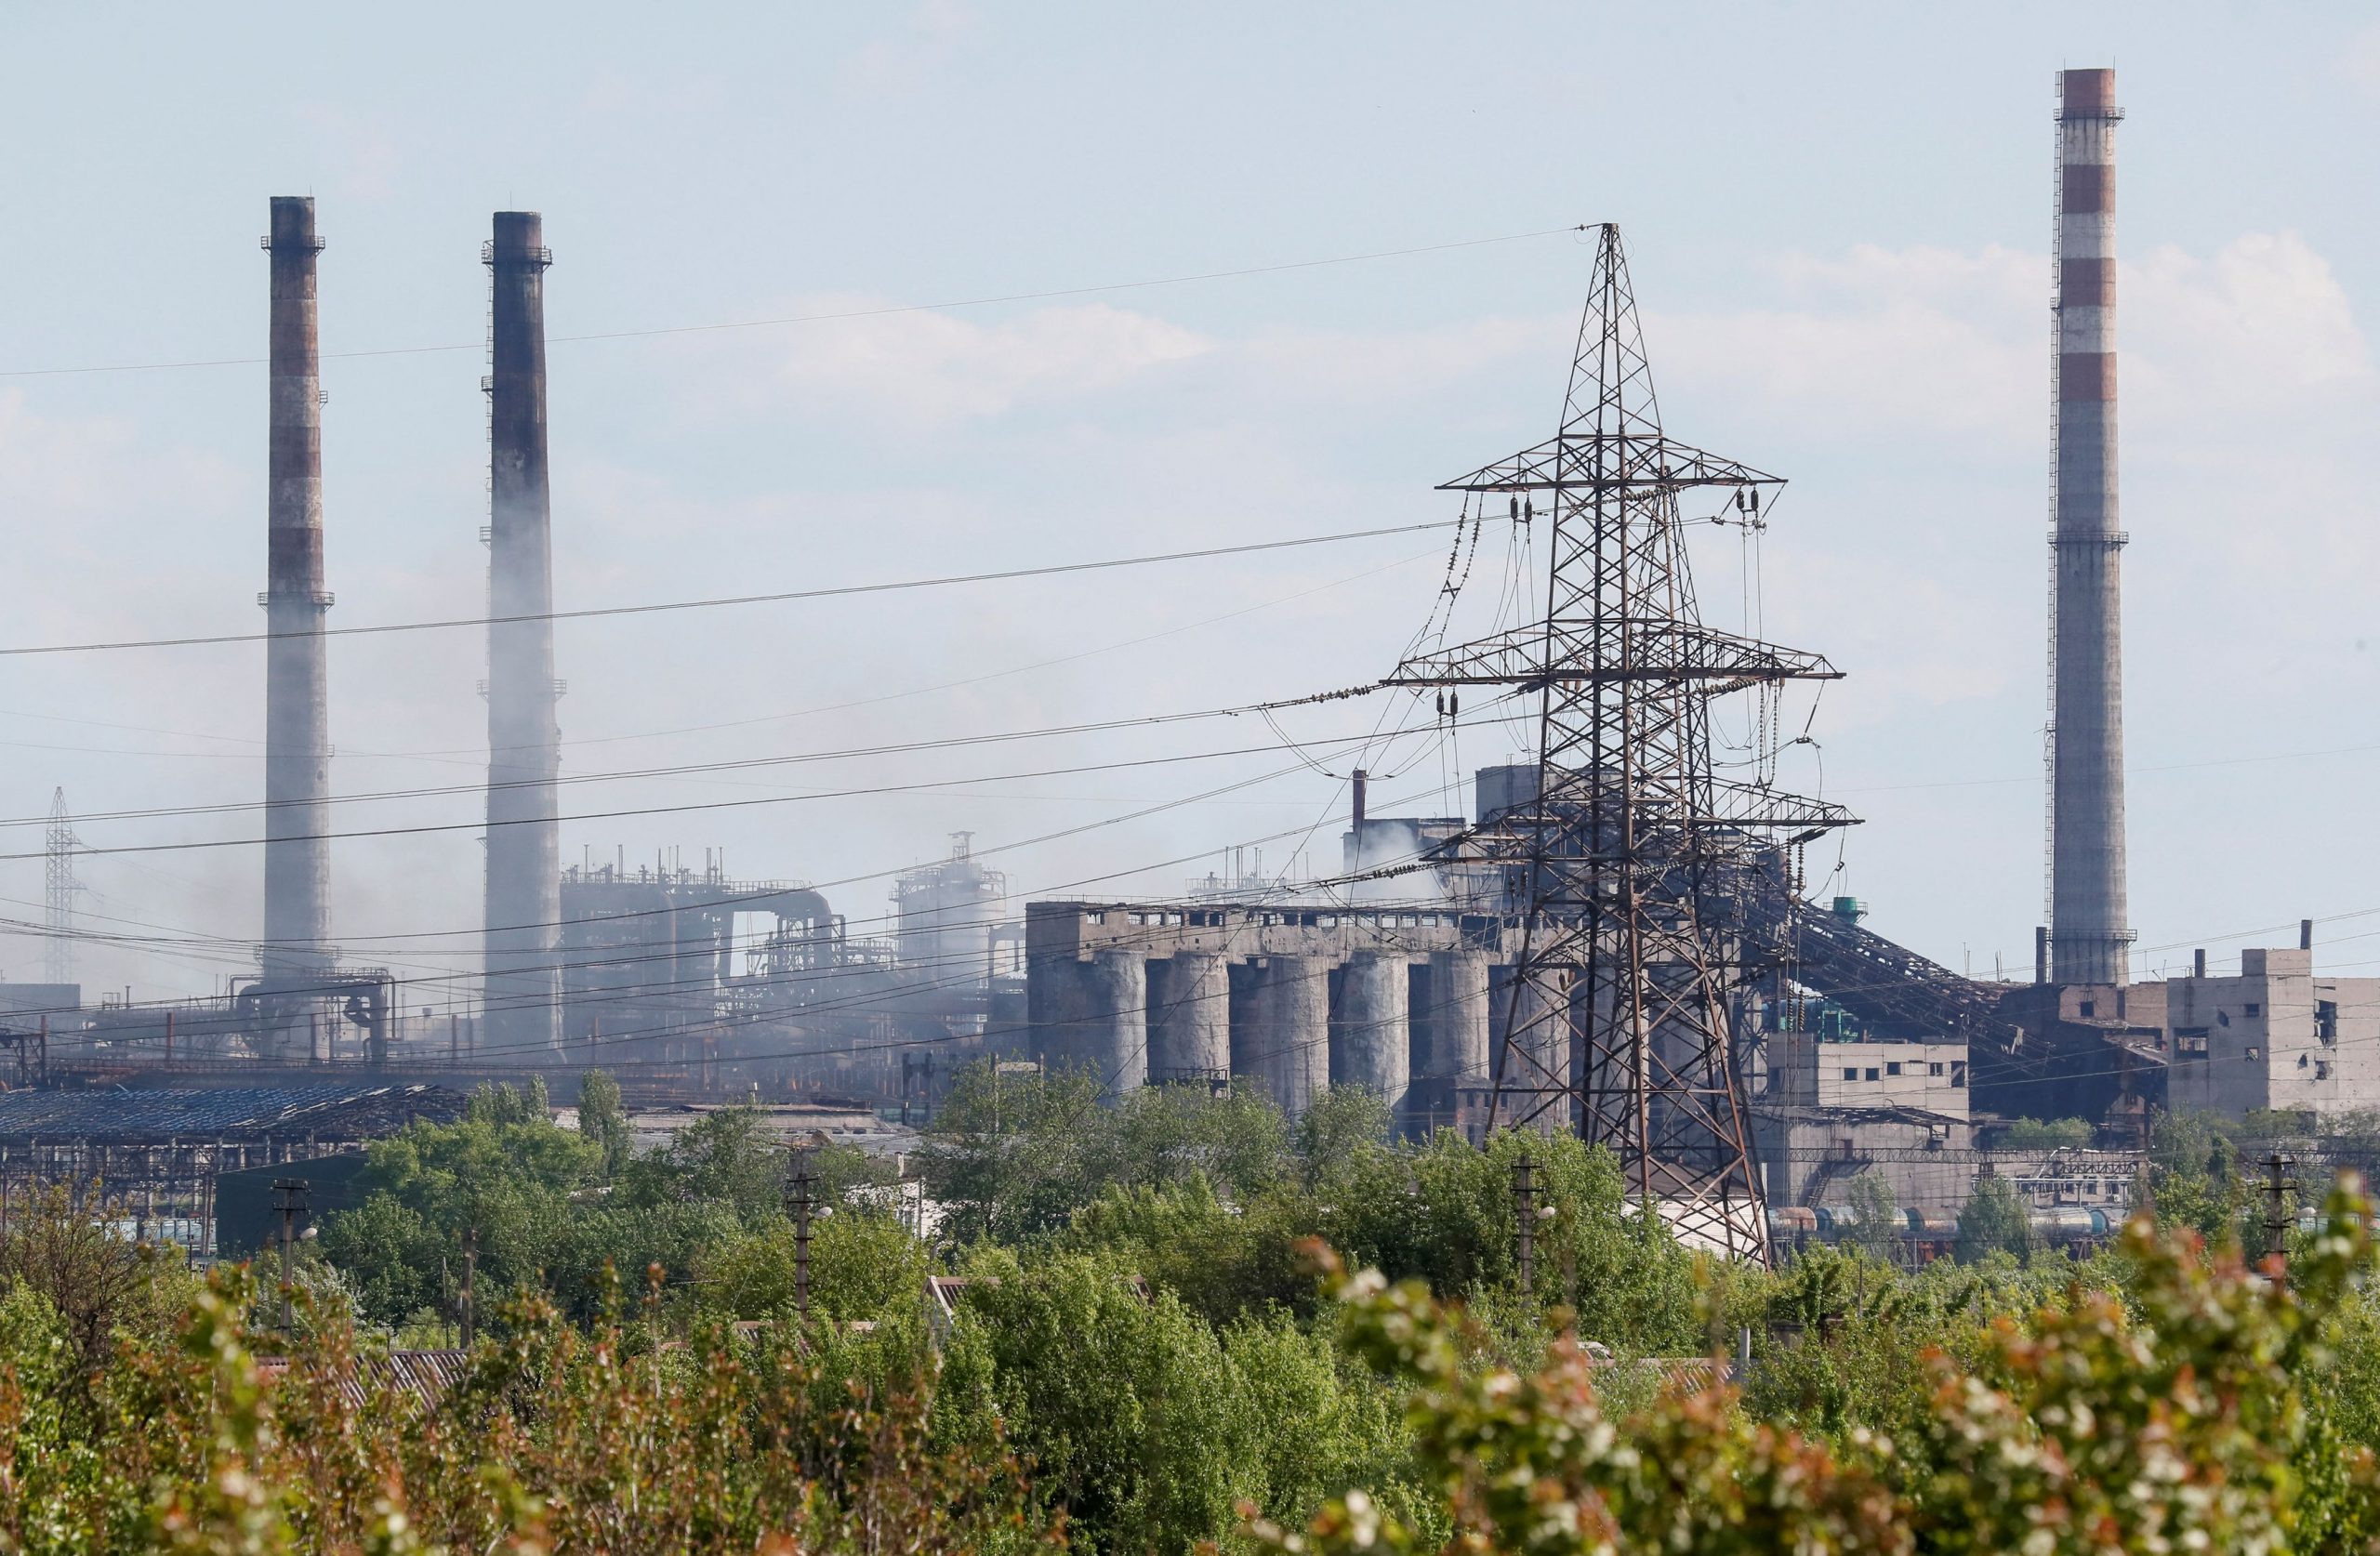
(57, 953)
(1617, 1017)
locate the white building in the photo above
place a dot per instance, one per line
(2274, 1036)
(1805, 1072)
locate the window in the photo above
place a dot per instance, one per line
(1850, 1074)
(1892, 1069)
(1958, 1074)
(1872, 1072)
(1933, 1069)
(2326, 1020)
(2322, 1069)
(2087, 1009)
(2252, 1050)
(2253, 1009)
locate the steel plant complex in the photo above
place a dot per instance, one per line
(1617, 940)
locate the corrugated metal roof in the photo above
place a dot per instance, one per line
(424, 1373)
(329, 1108)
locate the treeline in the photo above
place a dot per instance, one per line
(1138, 1344)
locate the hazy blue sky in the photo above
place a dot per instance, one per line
(1838, 216)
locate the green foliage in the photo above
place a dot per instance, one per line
(558, 1439)
(2169, 1418)
(724, 1158)
(862, 1265)
(1013, 1156)
(2051, 1134)
(504, 1172)
(1875, 1221)
(602, 1119)
(1528, 1460)
(1995, 1220)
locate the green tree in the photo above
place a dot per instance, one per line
(862, 1264)
(1994, 1219)
(725, 1157)
(2055, 1134)
(1875, 1221)
(602, 1119)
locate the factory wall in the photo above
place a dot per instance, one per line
(2274, 1036)
(1396, 1000)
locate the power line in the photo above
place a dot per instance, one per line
(885, 312)
(838, 591)
(430, 827)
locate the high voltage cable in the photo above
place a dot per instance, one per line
(837, 591)
(441, 754)
(884, 311)
(448, 977)
(687, 769)
(428, 827)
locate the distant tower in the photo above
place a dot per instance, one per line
(2090, 940)
(57, 957)
(296, 720)
(1618, 1013)
(523, 902)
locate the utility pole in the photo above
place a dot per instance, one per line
(57, 950)
(470, 1267)
(1617, 1025)
(2278, 1185)
(1525, 1219)
(290, 1199)
(798, 1206)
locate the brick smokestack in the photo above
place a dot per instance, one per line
(2090, 941)
(297, 949)
(524, 744)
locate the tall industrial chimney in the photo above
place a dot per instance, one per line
(2090, 941)
(297, 951)
(524, 744)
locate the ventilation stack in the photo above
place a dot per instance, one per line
(297, 956)
(524, 990)
(2090, 941)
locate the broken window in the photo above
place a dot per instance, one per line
(1958, 1074)
(2251, 1051)
(2326, 1020)
(2322, 1069)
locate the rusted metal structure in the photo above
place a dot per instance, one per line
(2090, 941)
(297, 953)
(1619, 1005)
(523, 898)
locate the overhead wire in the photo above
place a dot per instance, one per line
(780, 597)
(886, 310)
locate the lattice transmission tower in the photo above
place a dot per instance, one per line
(1617, 1017)
(58, 951)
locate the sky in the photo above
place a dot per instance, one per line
(1837, 218)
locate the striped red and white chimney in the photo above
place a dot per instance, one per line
(2090, 941)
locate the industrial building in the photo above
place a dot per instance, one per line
(2274, 1037)
(1617, 940)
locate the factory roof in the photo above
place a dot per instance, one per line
(333, 1109)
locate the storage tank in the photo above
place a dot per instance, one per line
(945, 913)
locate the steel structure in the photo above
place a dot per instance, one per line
(1618, 1011)
(57, 953)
